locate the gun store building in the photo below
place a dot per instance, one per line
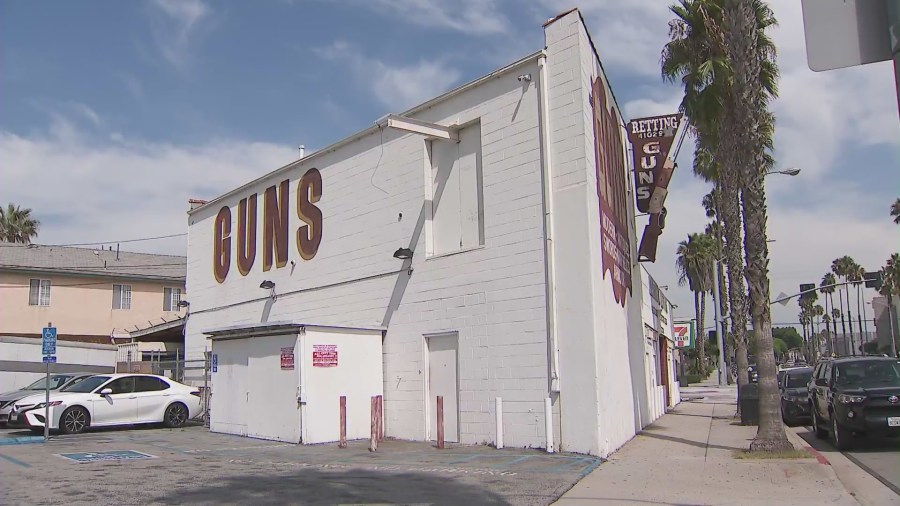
(481, 245)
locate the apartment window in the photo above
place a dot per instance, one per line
(39, 292)
(121, 297)
(457, 193)
(171, 298)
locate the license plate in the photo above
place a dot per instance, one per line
(894, 421)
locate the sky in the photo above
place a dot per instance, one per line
(113, 114)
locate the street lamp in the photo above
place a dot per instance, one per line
(790, 171)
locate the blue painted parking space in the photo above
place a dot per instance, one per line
(106, 456)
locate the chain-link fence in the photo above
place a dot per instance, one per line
(195, 373)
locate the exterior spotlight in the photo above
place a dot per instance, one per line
(403, 253)
(267, 284)
(183, 303)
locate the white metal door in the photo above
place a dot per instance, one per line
(228, 404)
(442, 381)
(274, 373)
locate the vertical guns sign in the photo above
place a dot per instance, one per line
(684, 334)
(651, 141)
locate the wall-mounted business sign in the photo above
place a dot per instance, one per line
(275, 224)
(684, 334)
(651, 139)
(655, 142)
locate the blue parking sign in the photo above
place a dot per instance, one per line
(215, 362)
(48, 341)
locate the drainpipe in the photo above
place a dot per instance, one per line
(549, 263)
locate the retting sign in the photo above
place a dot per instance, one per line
(651, 139)
(684, 334)
(275, 225)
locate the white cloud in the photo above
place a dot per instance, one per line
(398, 87)
(107, 191)
(175, 27)
(479, 17)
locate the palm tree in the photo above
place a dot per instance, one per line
(890, 288)
(895, 211)
(692, 58)
(857, 275)
(17, 225)
(828, 290)
(747, 129)
(694, 263)
(842, 267)
(818, 312)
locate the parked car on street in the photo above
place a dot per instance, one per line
(57, 382)
(794, 394)
(859, 395)
(112, 399)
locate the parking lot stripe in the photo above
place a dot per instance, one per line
(14, 461)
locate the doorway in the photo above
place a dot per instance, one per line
(443, 353)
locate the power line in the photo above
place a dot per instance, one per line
(101, 242)
(90, 267)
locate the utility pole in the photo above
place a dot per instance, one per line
(723, 366)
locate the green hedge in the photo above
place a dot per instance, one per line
(692, 378)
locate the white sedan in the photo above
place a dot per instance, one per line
(112, 399)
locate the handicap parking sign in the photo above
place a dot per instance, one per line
(48, 341)
(107, 456)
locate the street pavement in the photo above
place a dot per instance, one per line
(687, 457)
(880, 457)
(195, 466)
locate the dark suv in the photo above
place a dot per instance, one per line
(855, 395)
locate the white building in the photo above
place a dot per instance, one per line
(512, 194)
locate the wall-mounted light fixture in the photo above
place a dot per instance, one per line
(183, 303)
(403, 253)
(269, 285)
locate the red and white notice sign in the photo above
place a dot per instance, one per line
(325, 355)
(287, 359)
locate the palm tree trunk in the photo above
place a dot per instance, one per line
(850, 320)
(843, 323)
(734, 263)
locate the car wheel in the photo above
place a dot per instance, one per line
(841, 435)
(820, 432)
(176, 415)
(74, 420)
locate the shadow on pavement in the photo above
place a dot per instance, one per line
(312, 486)
(698, 444)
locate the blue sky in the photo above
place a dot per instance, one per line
(113, 114)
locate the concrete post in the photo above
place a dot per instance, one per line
(343, 441)
(440, 422)
(498, 411)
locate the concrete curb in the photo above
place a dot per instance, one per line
(800, 444)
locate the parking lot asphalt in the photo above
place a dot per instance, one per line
(195, 466)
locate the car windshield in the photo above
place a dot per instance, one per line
(88, 385)
(869, 372)
(56, 381)
(798, 379)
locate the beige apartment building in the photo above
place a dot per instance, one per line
(90, 295)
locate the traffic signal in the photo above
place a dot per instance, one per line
(873, 280)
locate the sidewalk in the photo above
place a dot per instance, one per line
(686, 458)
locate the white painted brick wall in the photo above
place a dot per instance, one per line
(492, 296)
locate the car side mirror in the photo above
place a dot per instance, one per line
(106, 391)
(821, 382)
